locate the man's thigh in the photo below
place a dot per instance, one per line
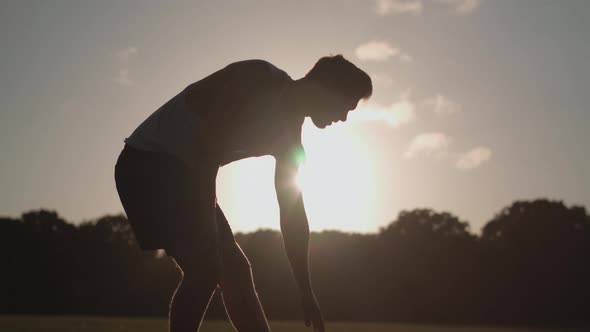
(195, 239)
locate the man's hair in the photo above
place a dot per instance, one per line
(337, 73)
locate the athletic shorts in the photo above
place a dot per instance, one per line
(170, 205)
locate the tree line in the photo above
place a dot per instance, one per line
(529, 266)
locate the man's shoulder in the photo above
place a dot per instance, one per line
(259, 68)
(253, 63)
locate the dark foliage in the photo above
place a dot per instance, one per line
(529, 266)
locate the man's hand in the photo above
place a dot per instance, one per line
(312, 313)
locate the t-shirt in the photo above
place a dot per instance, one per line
(245, 93)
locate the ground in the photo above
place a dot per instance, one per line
(96, 324)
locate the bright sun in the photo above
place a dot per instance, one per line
(337, 179)
(337, 182)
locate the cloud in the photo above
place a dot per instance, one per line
(386, 7)
(417, 7)
(461, 6)
(405, 57)
(428, 144)
(126, 53)
(376, 50)
(123, 77)
(442, 105)
(123, 57)
(474, 158)
(395, 115)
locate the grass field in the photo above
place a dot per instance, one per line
(97, 324)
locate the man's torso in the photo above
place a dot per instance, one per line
(231, 114)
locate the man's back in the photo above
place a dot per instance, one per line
(231, 114)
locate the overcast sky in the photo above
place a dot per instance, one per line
(477, 103)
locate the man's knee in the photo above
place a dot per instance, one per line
(236, 268)
(197, 283)
(198, 269)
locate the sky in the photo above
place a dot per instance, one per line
(476, 103)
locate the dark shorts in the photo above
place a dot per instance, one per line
(168, 204)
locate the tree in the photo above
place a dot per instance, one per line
(538, 253)
(426, 258)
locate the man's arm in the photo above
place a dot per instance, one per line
(295, 230)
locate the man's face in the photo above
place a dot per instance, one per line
(329, 107)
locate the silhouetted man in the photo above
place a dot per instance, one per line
(166, 175)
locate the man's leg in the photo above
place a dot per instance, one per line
(237, 285)
(196, 252)
(191, 298)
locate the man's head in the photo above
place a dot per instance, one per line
(332, 88)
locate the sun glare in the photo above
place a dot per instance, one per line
(337, 178)
(337, 181)
(300, 179)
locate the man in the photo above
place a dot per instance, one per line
(166, 175)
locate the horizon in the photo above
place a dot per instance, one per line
(477, 233)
